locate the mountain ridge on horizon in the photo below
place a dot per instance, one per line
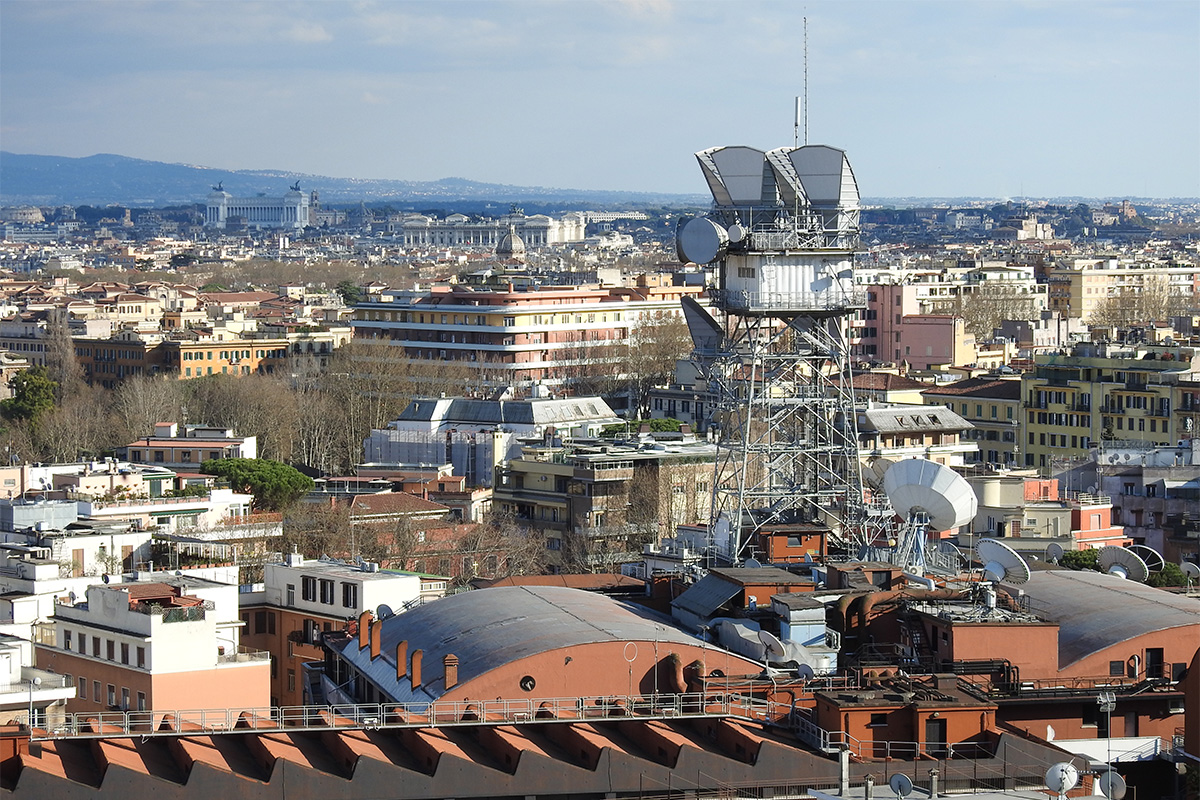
(114, 179)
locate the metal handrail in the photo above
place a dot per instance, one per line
(447, 713)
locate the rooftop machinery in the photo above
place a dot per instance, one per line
(781, 235)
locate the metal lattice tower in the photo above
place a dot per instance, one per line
(781, 234)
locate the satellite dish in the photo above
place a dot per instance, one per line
(752, 563)
(104, 577)
(72, 596)
(701, 240)
(1123, 563)
(384, 611)
(1190, 569)
(775, 650)
(736, 233)
(178, 573)
(1062, 777)
(1054, 552)
(901, 784)
(919, 485)
(1001, 564)
(1154, 560)
(1111, 785)
(805, 673)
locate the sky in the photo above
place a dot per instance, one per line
(996, 98)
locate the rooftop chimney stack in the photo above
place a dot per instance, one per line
(416, 668)
(401, 659)
(376, 638)
(364, 621)
(450, 662)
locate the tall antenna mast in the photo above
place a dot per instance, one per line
(806, 80)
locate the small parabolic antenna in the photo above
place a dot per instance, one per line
(1154, 560)
(1001, 564)
(1123, 563)
(1111, 785)
(775, 650)
(752, 563)
(805, 673)
(901, 784)
(1191, 570)
(1054, 552)
(1062, 777)
(917, 485)
(384, 611)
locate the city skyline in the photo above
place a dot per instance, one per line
(929, 98)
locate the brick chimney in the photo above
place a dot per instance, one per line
(416, 668)
(401, 659)
(450, 663)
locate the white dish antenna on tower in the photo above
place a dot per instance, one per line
(1123, 563)
(1001, 564)
(917, 485)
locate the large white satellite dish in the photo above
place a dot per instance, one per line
(1123, 563)
(1001, 564)
(1154, 560)
(1190, 569)
(775, 649)
(701, 241)
(920, 485)
(1111, 785)
(1054, 552)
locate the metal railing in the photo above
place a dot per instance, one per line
(447, 713)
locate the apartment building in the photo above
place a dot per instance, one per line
(186, 448)
(300, 598)
(889, 432)
(1030, 512)
(517, 337)
(993, 407)
(1098, 392)
(168, 645)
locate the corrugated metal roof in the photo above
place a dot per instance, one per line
(706, 595)
(1095, 611)
(489, 628)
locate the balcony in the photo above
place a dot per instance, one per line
(243, 655)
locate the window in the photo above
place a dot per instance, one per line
(350, 595)
(82, 694)
(111, 649)
(141, 698)
(878, 720)
(308, 588)
(327, 592)
(124, 652)
(271, 623)
(1116, 669)
(291, 594)
(124, 699)
(141, 657)
(112, 695)
(291, 683)
(66, 640)
(96, 691)
(260, 622)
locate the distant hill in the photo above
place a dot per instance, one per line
(111, 179)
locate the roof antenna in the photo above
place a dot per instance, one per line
(806, 80)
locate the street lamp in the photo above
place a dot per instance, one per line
(35, 681)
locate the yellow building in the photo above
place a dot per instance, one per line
(1101, 392)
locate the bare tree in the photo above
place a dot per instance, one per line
(140, 401)
(1150, 300)
(655, 344)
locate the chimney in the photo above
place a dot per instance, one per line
(376, 637)
(401, 659)
(450, 662)
(363, 630)
(933, 784)
(416, 668)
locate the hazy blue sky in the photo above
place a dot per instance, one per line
(998, 98)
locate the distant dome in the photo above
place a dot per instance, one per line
(511, 245)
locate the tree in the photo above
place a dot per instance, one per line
(349, 292)
(1152, 299)
(33, 396)
(654, 347)
(275, 486)
(1081, 559)
(994, 302)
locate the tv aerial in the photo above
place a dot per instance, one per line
(1154, 560)
(1001, 564)
(1062, 778)
(927, 495)
(1123, 563)
(1054, 552)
